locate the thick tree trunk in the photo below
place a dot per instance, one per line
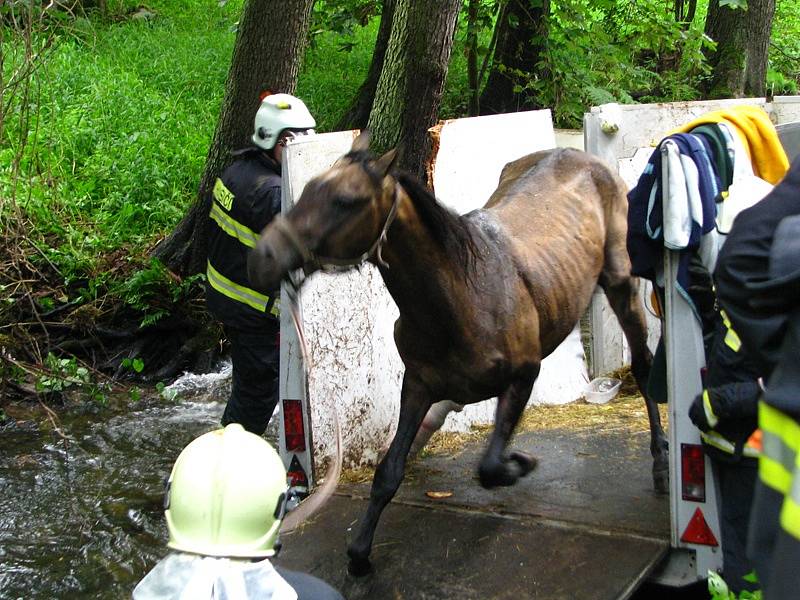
(357, 115)
(521, 36)
(760, 14)
(728, 28)
(267, 55)
(410, 87)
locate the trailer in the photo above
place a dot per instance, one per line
(586, 523)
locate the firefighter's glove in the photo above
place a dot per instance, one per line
(701, 412)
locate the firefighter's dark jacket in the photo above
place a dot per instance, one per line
(732, 390)
(243, 201)
(758, 284)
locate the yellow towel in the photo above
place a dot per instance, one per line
(752, 122)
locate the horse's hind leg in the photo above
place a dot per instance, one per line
(623, 296)
(497, 469)
(415, 401)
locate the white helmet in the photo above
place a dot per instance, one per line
(226, 495)
(277, 113)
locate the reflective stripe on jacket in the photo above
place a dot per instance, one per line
(243, 201)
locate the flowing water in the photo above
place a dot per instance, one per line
(83, 517)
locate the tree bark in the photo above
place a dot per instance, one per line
(760, 14)
(521, 36)
(410, 87)
(357, 116)
(267, 54)
(728, 28)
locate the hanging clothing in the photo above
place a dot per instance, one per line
(688, 224)
(745, 189)
(758, 133)
(721, 157)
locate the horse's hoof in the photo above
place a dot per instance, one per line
(661, 480)
(359, 567)
(525, 462)
(498, 475)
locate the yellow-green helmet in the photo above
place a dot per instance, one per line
(225, 495)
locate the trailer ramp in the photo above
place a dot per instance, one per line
(585, 524)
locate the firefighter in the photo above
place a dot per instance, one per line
(726, 414)
(243, 201)
(225, 499)
(758, 285)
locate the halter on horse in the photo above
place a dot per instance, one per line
(483, 297)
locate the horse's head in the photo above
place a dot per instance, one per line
(340, 219)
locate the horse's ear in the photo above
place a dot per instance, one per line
(361, 143)
(384, 164)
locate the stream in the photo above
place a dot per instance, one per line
(82, 517)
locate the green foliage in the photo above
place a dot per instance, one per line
(333, 71)
(784, 49)
(62, 374)
(780, 85)
(166, 393)
(153, 290)
(119, 132)
(718, 589)
(133, 364)
(615, 51)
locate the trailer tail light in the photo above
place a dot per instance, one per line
(293, 429)
(296, 475)
(693, 473)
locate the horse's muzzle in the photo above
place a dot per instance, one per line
(263, 267)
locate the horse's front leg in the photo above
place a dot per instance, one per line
(497, 469)
(415, 400)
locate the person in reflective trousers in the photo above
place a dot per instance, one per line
(758, 285)
(726, 414)
(243, 201)
(225, 499)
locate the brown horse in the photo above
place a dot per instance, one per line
(483, 297)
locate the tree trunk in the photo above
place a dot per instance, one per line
(728, 28)
(412, 80)
(267, 55)
(759, 30)
(521, 36)
(357, 115)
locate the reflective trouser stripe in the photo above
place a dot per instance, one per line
(790, 513)
(779, 466)
(240, 293)
(232, 227)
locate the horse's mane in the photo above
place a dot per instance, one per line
(445, 226)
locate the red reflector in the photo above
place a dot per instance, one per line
(293, 428)
(698, 531)
(693, 473)
(296, 474)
